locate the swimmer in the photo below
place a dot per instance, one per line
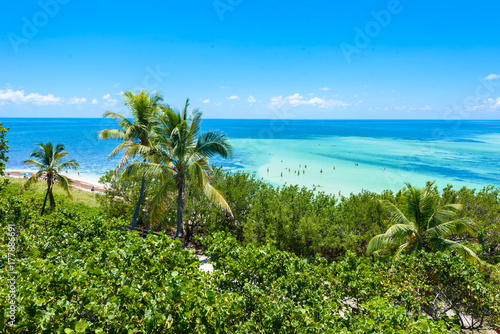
(321, 171)
(333, 167)
(303, 171)
(268, 169)
(305, 166)
(281, 174)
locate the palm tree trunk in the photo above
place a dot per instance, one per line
(136, 214)
(51, 200)
(179, 209)
(45, 201)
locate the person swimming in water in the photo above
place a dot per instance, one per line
(321, 171)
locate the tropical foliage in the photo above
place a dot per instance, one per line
(180, 149)
(421, 225)
(48, 160)
(79, 273)
(143, 108)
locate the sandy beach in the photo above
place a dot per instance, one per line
(81, 183)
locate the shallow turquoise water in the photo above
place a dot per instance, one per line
(387, 153)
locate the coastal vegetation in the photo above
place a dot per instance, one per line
(48, 160)
(286, 259)
(79, 272)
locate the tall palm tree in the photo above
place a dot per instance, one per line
(47, 159)
(143, 108)
(424, 226)
(182, 150)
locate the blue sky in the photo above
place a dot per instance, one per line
(253, 59)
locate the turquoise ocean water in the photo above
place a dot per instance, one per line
(366, 154)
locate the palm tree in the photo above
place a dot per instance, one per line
(424, 226)
(47, 160)
(143, 107)
(182, 150)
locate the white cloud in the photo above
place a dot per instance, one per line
(18, 96)
(490, 103)
(251, 99)
(77, 100)
(359, 102)
(325, 89)
(492, 76)
(109, 101)
(94, 101)
(296, 100)
(217, 104)
(413, 107)
(206, 101)
(234, 97)
(224, 87)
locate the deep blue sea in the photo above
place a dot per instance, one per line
(341, 155)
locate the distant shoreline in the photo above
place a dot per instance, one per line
(81, 184)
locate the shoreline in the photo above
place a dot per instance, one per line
(81, 183)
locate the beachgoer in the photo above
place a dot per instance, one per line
(333, 167)
(339, 193)
(303, 171)
(268, 169)
(356, 164)
(281, 174)
(321, 171)
(78, 173)
(92, 189)
(305, 166)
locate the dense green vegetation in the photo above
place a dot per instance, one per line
(79, 272)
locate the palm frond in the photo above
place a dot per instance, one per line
(71, 164)
(65, 183)
(453, 227)
(216, 197)
(379, 242)
(32, 180)
(214, 143)
(122, 121)
(111, 134)
(397, 217)
(443, 245)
